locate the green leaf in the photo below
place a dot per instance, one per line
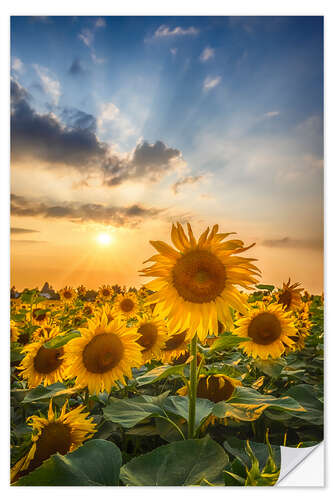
(272, 368)
(129, 412)
(306, 396)
(178, 405)
(237, 448)
(61, 340)
(227, 341)
(182, 463)
(159, 373)
(266, 287)
(96, 463)
(247, 404)
(42, 393)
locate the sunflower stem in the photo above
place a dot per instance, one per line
(193, 389)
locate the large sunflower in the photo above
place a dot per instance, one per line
(176, 345)
(54, 434)
(269, 329)
(290, 297)
(216, 387)
(195, 284)
(42, 364)
(105, 353)
(67, 294)
(126, 305)
(153, 335)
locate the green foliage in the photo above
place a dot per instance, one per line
(61, 340)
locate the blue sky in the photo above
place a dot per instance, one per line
(207, 119)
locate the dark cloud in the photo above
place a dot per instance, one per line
(191, 179)
(73, 142)
(287, 242)
(76, 68)
(130, 216)
(22, 230)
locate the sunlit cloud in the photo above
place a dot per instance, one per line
(211, 82)
(206, 54)
(50, 85)
(164, 31)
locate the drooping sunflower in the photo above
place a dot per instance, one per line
(176, 345)
(290, 297)
(14, 333)
(67, 294)
(270, 330)
(105, 353)
(153, 335)
(41, 364)
(54, 434)
(195, 284)
(216, 387)
(105, 292)
(126, 305)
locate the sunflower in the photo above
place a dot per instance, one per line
(269, 329)
(126, 305)
(108, 310)
(67, 294)
(195, 285)
(14, 333)
(290, 296)
(39, 316)
(54, 434)
(216, 387)
(105, 292)
(153, 335)
(105, 353)
(88, 310)
(175, 346)
(303, 325)
(81, 290)
(41, 364)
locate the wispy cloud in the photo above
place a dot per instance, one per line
(22, 230)
(191, 179)
(271, 114)
(87, 37)
(210, 82)
(288, 242)
(164, 31)
(17, 65)
(206, 54)
(50, 85)
(100, 23)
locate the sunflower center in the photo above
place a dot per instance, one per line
(67, 295)
(106, 293)
(264, 329)
(199, 276)
(175, 341)
(148, 337)
(54, 438)
(285, 298)
(48, 360)
(87, 310)
(103, 353)
(211, 389)
(127, 305)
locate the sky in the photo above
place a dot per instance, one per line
(121, 126)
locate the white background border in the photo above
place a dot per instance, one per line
(148, 7)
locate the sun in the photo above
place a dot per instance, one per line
(104, 239)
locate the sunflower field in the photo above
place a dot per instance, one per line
(196, 378)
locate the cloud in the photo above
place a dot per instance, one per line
(206, 54)
(185, 181)
(45, 138)
(211, 82)
(22, 230)
(164, 31)
(288, 242)
(108, 112)
(76, 68)
(271, 114)
(174, 51)
(100, 23)
(116, 216)
(50, 85)
(17, 65)
(86, 36)
(40, 19)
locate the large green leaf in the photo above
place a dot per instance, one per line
(265, 287)
(227, 341)
(42, 393)
(248, 404)
(96, 463)
(61, 340)
(129, 412)
(306, 396)
(182, 463)
(159, 373)
(178, 405)
(270, 367)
